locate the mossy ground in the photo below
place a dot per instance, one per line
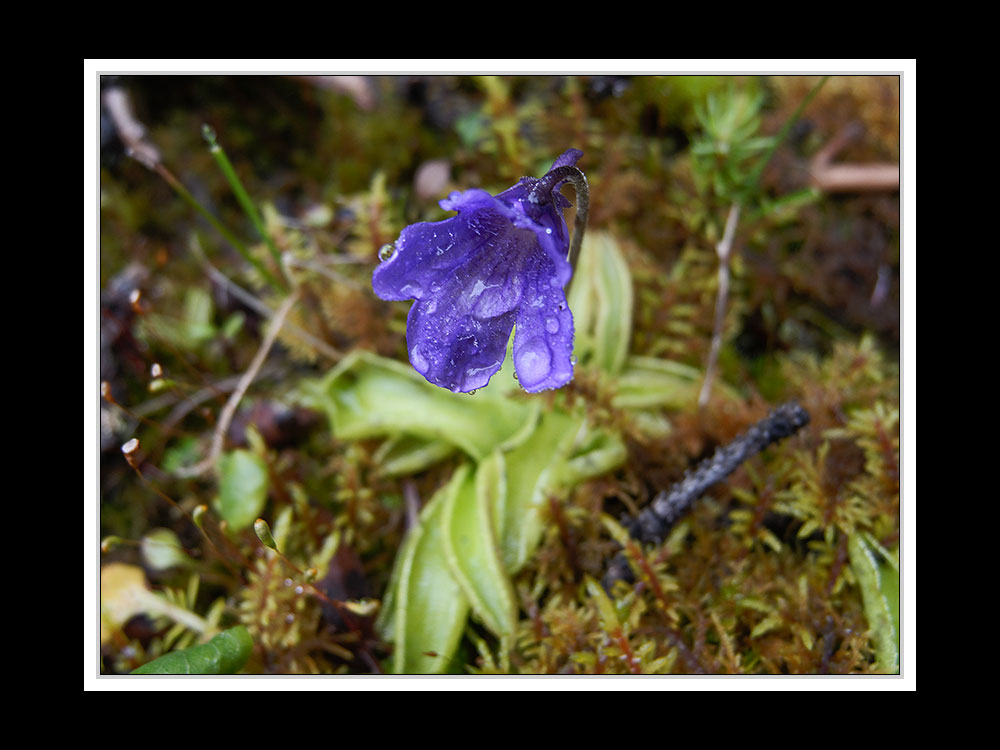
(757, 580)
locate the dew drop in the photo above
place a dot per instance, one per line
(418, 360)
(386, 251)
(411, 289)
(472, 392)
(435, 286)
(548, 230)
(534, 361)
(552, 325)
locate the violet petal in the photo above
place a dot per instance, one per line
(500, 261)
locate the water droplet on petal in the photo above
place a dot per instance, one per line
(435, 286)
(418, 360)
(386, 251)
(411, 289)
(472, 392)
(533, 361)
(552, 325)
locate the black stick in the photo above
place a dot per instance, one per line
(656, 520)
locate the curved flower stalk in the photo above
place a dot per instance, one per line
(504, 260)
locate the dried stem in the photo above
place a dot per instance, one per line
(252, 301)
(653, 523)
(724, 250)
(852, 178)
(229, 410)
(133, 136)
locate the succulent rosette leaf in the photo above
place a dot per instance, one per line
(500, 262)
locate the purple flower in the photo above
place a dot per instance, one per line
(502, 261)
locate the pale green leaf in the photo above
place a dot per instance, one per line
(370, 396)
(470, 545)
(601, 300)
(879, 586)
(242, 488)
(534, 468)
(403, 455)
(428, 607)
(605, 451)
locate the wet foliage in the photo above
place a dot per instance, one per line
(350, 518)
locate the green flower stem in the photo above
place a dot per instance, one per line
(241, 194)
(218, 225)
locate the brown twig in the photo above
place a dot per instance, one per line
(253, 302)
(850, 178)
(131, 132)
(229, 410)
(655, 521)
(724, 250)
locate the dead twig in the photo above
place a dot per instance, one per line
(131, 132)
(253, 302)
(655, 521)
(724, 250)
(229, 410)
(850, 178)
